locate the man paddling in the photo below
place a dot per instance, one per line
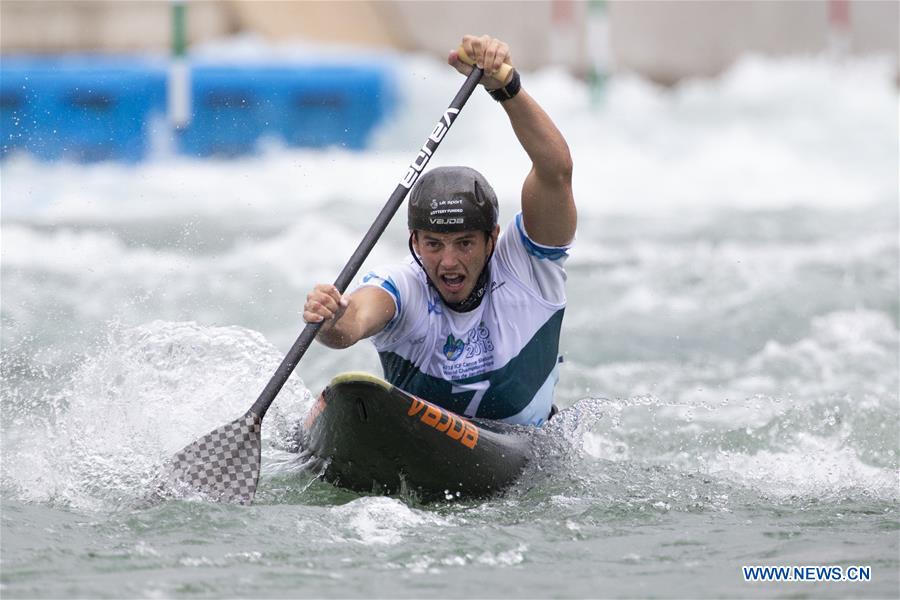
(471, 320)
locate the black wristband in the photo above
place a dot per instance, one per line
(509, 90)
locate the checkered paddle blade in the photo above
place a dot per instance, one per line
(222, 465)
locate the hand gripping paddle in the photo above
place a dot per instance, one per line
(223, 465)
(503, 74)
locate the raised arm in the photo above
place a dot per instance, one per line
(548, 206)
(347, 319)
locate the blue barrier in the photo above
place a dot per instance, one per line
(235, 107)
(93, 108)
(81, 108)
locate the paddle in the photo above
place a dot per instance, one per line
(224, 464)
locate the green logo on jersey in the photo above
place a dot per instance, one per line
(454, 347)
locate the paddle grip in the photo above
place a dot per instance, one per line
(362, 251)
(503, 74)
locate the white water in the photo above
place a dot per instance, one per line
(733, 312)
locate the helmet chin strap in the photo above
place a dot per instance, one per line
(473, 300)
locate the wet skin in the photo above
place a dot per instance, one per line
(454, 261)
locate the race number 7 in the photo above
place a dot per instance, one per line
(479, 387)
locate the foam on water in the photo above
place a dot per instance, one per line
(814, 467)
(754, 138)
(731, 340)
(131, 405)
(793, 420)
(382, 521)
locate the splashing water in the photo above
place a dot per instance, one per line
(142, 397)
(729, 390)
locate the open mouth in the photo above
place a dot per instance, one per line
(454, 283)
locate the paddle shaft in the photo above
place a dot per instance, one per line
(368, 242)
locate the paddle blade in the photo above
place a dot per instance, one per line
(223, 465)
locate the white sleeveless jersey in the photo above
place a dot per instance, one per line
(498, 361)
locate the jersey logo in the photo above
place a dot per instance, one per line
(476, 344)
(454, 347)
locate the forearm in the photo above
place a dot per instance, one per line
(548, 205)
(540, 138)
(325, 305)
(363, 313)
(338, 334)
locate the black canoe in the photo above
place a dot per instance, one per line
(377, 438)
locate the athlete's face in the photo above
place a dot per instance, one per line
(454, 261)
